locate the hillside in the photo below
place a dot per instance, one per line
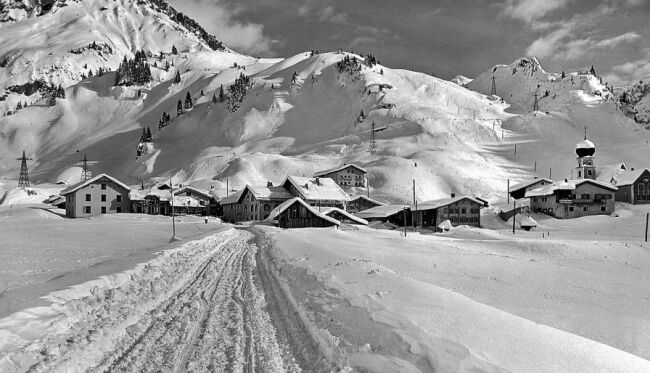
(447, 137)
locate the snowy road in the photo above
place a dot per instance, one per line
(217, 319)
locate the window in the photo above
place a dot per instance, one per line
(603, 209)
(584, 196)
(251, 208)
(588, 172)
(585, 209)
(103, 197)
(579, 174)
(189, 194)
(267, 208)
(535, 200)
(103, 186)
(118, 209)
(202, 203)
(571, 208)
(87, 210)
(87, 197)
(103, 209)
(464, 210)
(118, 198)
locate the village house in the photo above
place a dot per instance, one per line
(346, 176)
(518, 191)
(398, 215)
(319, 192)
(573, 198)
(102, 194)
(344, 217)
(296, 213)
(461, 210)
(253, 203)
(360, 203)
(633, 186)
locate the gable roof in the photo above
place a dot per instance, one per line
(192, 189)
(528, 183)
(73, 188)
(438, 203)
(337, 169)
(357, 219)
(629, 177)
(286, 204)
(610, 171)
(312, 189)
(381, 211)
(367, 199)
(260, 192)
(548, 190)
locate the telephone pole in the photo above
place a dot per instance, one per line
(171, 188)
(23, 180)
(536, 103)
(494, 87)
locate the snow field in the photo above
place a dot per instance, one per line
(467, 304)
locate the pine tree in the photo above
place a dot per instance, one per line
(166, 65)
(222, 95)
(563, 75)
(149, 137)
(143, 137)
(188, 101)
(60, 92)
(139, 93)
(592, 71)
(19, 106)
(155, 64)
(90, 73)
(214, 98)
(174, 50)
(294, 77)
(177, 78)
(179, 108)
(202, 94)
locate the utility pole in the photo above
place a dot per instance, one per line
(404, 221)
(368, 187)
(508, 192)
(536, 103)
(647, 217)
(550, 173)
(171, 186)
(494, 87)
(85, 175)
(23, 180)
(515, 149)
(514, 215)
(535, 166)
(415, 203)
(227, 188)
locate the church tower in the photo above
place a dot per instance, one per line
(585, 150)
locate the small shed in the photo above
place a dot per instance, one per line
(296, 213)
(398, 215)
(344, 216)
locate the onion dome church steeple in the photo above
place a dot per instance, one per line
(585, 150)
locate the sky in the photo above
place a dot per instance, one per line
(442, 37)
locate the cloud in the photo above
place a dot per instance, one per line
(531, 10)
(221, 21)
(322, 11)
(617, 40)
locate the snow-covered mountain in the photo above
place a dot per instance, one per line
(634, 101)
(60, 41)
(294, 115)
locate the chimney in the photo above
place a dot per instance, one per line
(453, 195)
(269, 184)
(306, 185)
(317, 181)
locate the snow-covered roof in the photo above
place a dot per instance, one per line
(286, 204)
(628, 177)
(367, 199)
(437, 203)
(316, 188)
(327, 172)
(608, 173)
(548, 190)
(527, 222)
(381, 211)
(346, 214)
(260, 192)
(186, 201)
(140, 195)
(528, 183)
(184, 189)
(73, 188)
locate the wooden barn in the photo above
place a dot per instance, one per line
(361, 203)
(102, 194)
(633, 186)
(461, 210)
(316, 191)
(296, 213)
